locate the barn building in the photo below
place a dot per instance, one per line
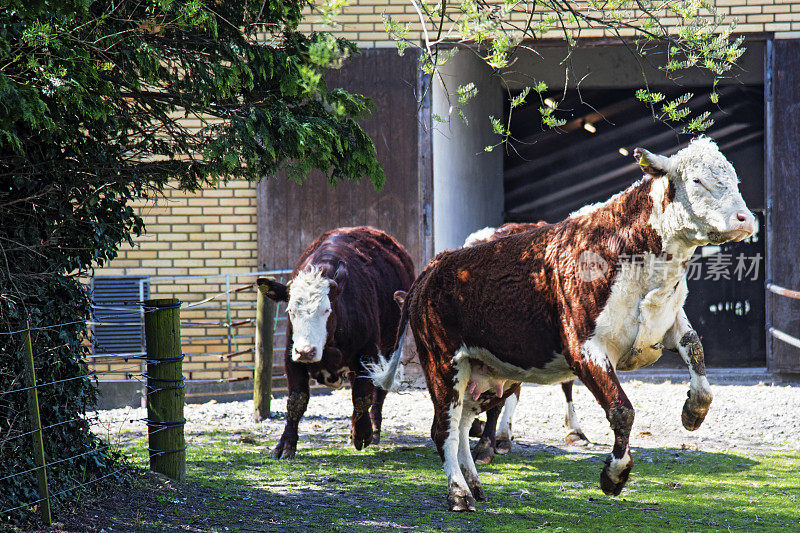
(442, 184)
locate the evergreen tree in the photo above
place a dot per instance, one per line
(94, 102)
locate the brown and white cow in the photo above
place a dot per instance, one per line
(598, 292)
(342, 315)
(498, 440)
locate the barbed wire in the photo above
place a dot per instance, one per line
(106, 314)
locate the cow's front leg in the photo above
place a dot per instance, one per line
(504, 434)
(682, 338)
(595, 370)
(361, 424)
(296, 403)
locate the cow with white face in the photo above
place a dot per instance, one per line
(342, 315)
(309, 311)
(551, 322)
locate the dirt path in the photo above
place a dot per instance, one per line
(764, 417)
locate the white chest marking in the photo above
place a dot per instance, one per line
(644, 303)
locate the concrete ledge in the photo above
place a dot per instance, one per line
(718, 376)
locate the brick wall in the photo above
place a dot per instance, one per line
(212, 232)
(363, 22)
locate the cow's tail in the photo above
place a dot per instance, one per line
(388, 374)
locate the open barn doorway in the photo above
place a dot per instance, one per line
(548, 174)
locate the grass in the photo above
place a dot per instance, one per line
(390, 487)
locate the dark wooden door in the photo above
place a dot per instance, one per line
(291, 216)
(783, 200)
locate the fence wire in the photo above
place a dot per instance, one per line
(119, 314)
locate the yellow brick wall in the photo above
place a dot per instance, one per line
(211, 232)
(362, 22)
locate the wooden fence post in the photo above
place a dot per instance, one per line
(265, 331)
(166, 388)
(36, 427)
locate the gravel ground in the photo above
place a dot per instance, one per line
(743, 418)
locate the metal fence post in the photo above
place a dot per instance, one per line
(262, 375)
(36, 427)
(166, 388)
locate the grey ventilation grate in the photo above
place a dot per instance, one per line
(118, 313)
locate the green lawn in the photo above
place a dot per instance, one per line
(394, 487)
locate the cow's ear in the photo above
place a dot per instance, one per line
(400, 297)
(273, 289)
(650, 163)
(338, 281)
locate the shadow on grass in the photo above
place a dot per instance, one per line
(402, 487)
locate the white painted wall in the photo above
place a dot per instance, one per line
(467, 180)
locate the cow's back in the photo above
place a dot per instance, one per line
(476, 294)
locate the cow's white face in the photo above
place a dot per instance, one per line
(309, 309)
(708, 207)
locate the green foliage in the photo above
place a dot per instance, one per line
(104, 102)
(696, 36)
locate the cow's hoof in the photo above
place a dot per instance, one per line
(459, 499)
(361, 440)
(609, 486)
(476, 430)
(695, 411)
(477, 492)
(483, 452)
(284, 452)
(503, 445)
(577, 438)
(376, 438)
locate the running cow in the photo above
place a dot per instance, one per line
(342, 315)
(494, 439)
(598, 292)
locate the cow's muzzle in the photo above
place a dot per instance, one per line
(741, 225)
(305, 355)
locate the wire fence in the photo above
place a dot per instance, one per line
(217, 331)
(13, 432)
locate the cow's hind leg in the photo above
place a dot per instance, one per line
(376, 414)
(361, 423)
(446, 430)
(467, 465)
(484, 449)
(574, 434)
